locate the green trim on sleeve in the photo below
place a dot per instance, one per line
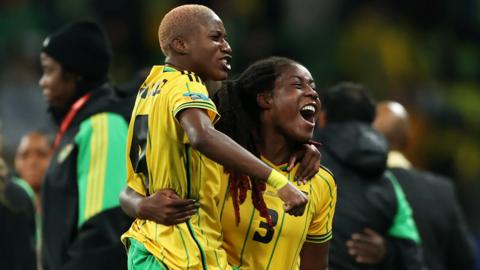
(206, 105)
(26, 187)
(101, 172)
(319, 238)
(196, 104)
(403, 224)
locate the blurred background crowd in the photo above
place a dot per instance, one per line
(424, 54)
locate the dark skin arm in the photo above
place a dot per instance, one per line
(314, 256)
(309, 158)
(368, 247)
(220, 148)
(163, 207)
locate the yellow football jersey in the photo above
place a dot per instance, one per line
(159, 157)
(252, 245)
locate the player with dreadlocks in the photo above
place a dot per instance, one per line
(270, 110)
(172, 145)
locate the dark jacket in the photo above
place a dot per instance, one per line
(17, 229)
(446, 241)
(81, 220)
(356, 154)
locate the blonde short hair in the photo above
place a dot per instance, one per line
(180, 21)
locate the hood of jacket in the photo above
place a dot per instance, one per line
(103, 99)
(356, 145)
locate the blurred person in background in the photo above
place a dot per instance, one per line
(446, 240)
(81, 218)
(31, 162)
(17, 224)
(357, 154)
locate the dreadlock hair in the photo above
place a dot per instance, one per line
(237, 103)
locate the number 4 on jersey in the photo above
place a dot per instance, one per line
(138, 149)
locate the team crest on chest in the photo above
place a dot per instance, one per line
(63, 154)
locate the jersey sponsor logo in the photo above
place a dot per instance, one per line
(196, 96)
(63, 154)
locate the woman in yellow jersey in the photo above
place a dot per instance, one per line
(172, 144)
(270, 110)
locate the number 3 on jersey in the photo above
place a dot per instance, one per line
(270, 231)
(138, 149)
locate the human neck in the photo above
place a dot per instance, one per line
(173, 64)
(274, 146)
(178, 62)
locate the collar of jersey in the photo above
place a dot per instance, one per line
(280, 167)
(169, 69)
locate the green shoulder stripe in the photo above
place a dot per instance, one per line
(403, 224)
(26, 187)
(101, 172)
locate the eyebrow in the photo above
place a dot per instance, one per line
(219, 32)
(300, 78)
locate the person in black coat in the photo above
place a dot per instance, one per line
(446, 240)
(17, 225)
(367, 197)
(81, 217)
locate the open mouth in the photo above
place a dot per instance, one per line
(226, 62)
(308, 113)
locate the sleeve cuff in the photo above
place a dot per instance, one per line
(319, 238)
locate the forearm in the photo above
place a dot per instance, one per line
(130, 201)
(314, 256)
(225, 151)
(220, 148)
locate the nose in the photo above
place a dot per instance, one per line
(226, 47)
(41, 82)
(312, 93)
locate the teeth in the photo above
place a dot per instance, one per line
(309, 108)
(227, 65)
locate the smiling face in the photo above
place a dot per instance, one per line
(209, 52)
(295, 104)
(57, 87)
